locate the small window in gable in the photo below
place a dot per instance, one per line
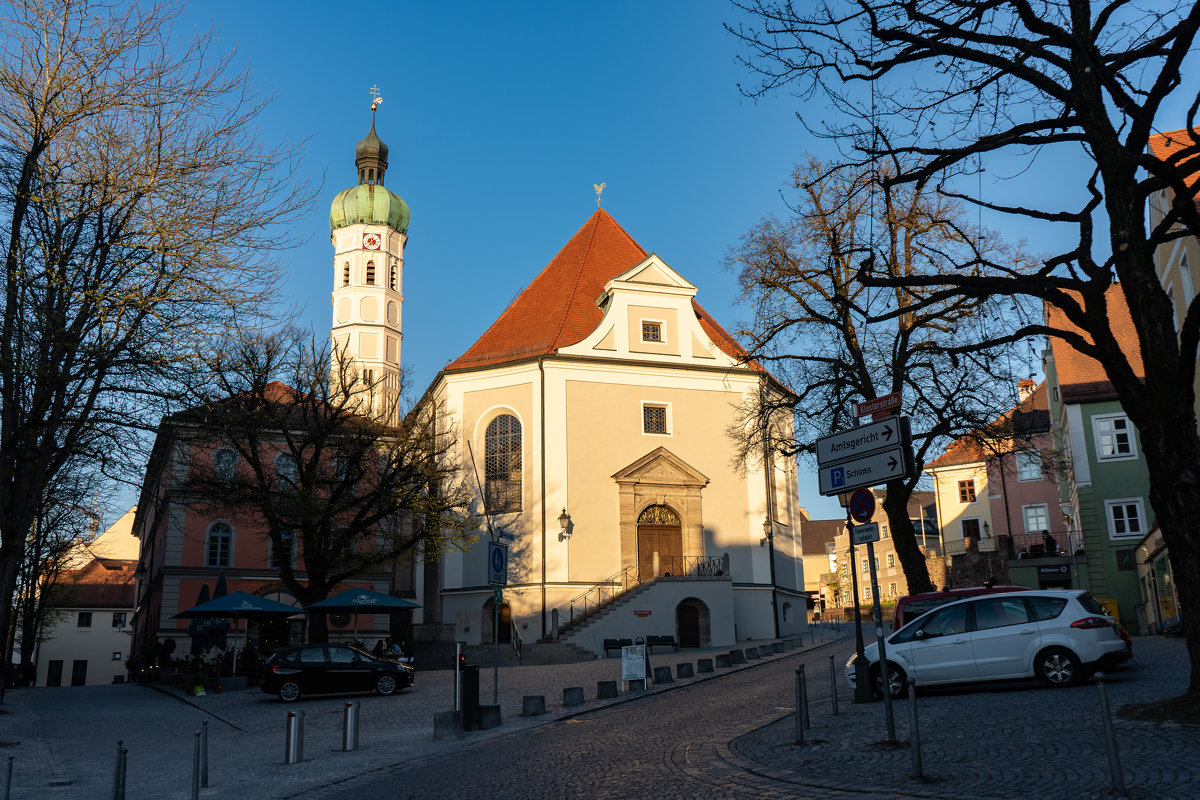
(966, 491)
(370, 273)
(652, 331)
(346, 274)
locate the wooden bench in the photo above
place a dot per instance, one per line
(616, 644)
(660, 641)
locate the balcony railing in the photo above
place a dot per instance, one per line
(1024, 545)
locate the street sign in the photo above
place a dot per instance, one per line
(498, 595)
(864, 534)
(497, 564)
(860, 473)
(633, 662)
(857, 442)
(889, 402)
(862, 505)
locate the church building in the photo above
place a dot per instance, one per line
(596, 414)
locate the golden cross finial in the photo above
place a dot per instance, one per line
(599, 187)
(375, 98)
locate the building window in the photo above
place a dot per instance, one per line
(219, 545)
(892, 589)
(1029, 465)
(84, 620)
(1125, 518)
(654, 419)
(1114, 438)
(116, 655)
(502, 464)
(883, 532)
(867, 593)
(966, 491)
(346, 274)
(970, 528)
(652, 332)
(281, 553)
(370, 273)
(1037, 518)
(118, 619)
(866, 566)
(225, 464)
(287, 472)
(392, 273)
(891, 559)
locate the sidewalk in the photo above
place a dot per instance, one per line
(64, 741)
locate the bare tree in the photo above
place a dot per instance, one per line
(964, 85)
(338, 493)
(836, 340)
(141, 212)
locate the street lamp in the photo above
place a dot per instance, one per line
(564, 525)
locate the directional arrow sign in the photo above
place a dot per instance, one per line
(857, 442)
(859, 473)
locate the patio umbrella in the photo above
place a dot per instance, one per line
(207, 633)
(239, 605)
(354, 601)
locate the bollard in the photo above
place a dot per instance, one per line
(723, 660)
(606, 690)
(8, 780)
(196, 767)
(704, 665)
(204, 754)
(293, 743)
(350, 726)
(804, 697)
(572, 696)
(124, 763)
(534, 705)
(116, 787)
(799, 721)
(685, 670)
(1110, 740)
(833, 685)
(914, 733)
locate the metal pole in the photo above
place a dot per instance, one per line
(885, 670)
(833, 685)
(1110, 740)
(458, 676)
(196, 767)
(496, 654)
(8, 781)
(116, 786)
(204, 754)
(124, 766)
(914, 732)
(350, 726)
(804, 697)
(799, 721)
(862, 673)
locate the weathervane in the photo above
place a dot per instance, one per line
(375, 101)
(599, 187)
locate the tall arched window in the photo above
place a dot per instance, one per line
(218, 545)
(225, 464)
(346, 274)
(502, 464)
(370, 273)
(287, 472)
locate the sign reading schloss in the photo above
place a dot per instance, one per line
(859, 473)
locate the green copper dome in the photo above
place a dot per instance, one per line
(369, 204)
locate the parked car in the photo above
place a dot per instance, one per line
(1057, 635)
(292, 672)
(912, 606)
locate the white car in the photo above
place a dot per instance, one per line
(1057, 635)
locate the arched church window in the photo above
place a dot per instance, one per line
(502, 464)
(370, 176)
(225, 464)
(370, 273)
(392, 277)
(346, 274)
(218, 545)
(658, 515)
(287, 472)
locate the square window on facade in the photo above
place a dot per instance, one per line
(116, 655)
(1037, 518)
(654, 419)
(1114, 437)
(1125, 518)
(1029, 466)
(84, 620)
(651, 332)
(966, 491)
(970, 528)
(118, 619)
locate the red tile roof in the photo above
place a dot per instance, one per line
(1028, 417)
(1081, 378)
(1164, 145)
(102, 583)
(558, 308)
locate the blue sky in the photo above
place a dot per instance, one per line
(499, 118)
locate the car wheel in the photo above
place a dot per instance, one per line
(899, 681)
(1058, 666)
(289, 691)
(385, 684)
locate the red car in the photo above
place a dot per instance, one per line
(912, 606)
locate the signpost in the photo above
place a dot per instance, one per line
(497, 563)
(498, 578)
(888, 403)
(866, 456)
(862, 505)
(862, 440)
(870, 470)
(866, 534)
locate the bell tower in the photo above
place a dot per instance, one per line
(368, 230)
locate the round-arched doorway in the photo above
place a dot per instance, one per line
(693, 628)
(659, 531)
(486, 630)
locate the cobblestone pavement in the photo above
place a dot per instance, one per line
(729, 735)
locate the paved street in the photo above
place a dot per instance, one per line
(724, 736)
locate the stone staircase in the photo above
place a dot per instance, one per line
(567, 628)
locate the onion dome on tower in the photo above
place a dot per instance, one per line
(369, 203)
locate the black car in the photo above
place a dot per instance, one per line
(321, 668)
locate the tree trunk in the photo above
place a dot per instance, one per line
(904, 537)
